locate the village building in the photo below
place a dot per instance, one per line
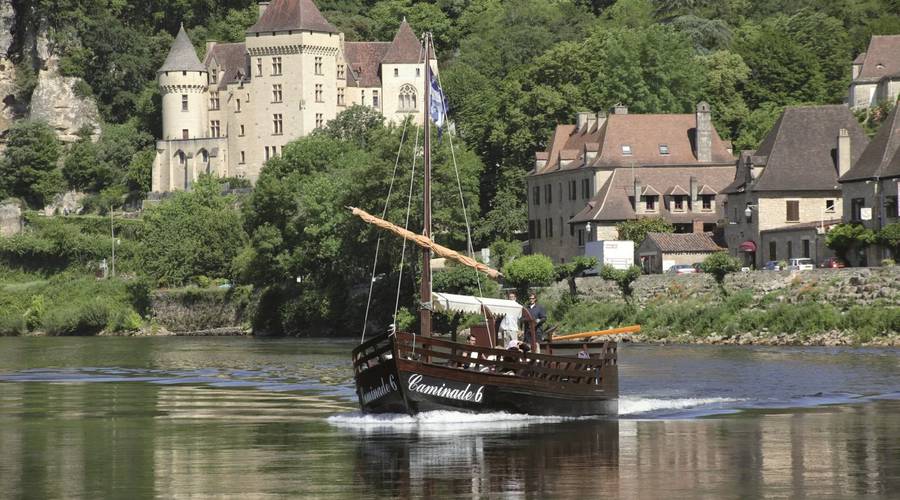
(790, 184)
(871, 188)
(606, 169)
(293, 73)
(661, 251)
(876, 73)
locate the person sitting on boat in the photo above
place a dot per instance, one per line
(509, 325)
(513, 348)
(471, 341)
(584, 353)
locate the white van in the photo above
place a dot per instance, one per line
(801, 264)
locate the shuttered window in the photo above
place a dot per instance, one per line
(793, 210)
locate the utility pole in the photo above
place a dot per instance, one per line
(112, 234)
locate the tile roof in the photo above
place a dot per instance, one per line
(364, 60)
(799, 152)
(231, 59)
(613, 201)
(643, 133)
(287, 15)
(683, 242)
(882, 59)
(406, 47)
(881, 158)
(182, 56)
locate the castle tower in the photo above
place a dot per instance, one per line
(183, 82)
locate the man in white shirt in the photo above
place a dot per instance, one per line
(509, 325)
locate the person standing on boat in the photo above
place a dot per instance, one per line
(509, 325)
(539, 315)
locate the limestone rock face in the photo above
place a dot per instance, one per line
(11, 221)
(55, 101)
(8, 108)
(70, 202)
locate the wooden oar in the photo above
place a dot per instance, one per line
(614, 331)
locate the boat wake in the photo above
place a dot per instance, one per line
(630, 406)
(438, 422)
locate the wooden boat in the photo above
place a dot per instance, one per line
(403, 372)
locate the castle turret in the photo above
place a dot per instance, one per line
(183, 82)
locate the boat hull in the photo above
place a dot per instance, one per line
(400, 385)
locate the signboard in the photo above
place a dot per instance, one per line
(445, 389)
(865, 213)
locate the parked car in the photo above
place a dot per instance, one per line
(801, 264)
(682, 269)
(771, 265)
(833, 263)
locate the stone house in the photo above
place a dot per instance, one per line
(293, 73)
(791, 180)
(805, 239)
(872, 186)
(876, 73)
(606, 169)
(660, 251)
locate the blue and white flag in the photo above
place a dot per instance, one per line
(437, 108)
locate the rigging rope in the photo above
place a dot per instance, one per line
(378, 244)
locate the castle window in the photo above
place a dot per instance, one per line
(664, 149)
(340, 72)
(374, 98)
(184, 102)
(213, 101)
(185, 134)
(276, 92)
(276, 65)
(267, 153)
(242, 131)
(214, 76)
(626, 150)
(418, 72)
(363, 97)
(214, 128)
(259, 66)
(340, 96)
(319, 93)
(320, 120)
(396, 72)
(243, 157)
(408, 101)
(585, 188)
(319, 65)
(238, 108)
(277, 122)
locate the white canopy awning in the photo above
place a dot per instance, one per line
(469, 304)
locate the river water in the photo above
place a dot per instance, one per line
(249, 418)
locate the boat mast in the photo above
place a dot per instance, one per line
(425, 288)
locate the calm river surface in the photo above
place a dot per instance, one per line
(238, 417)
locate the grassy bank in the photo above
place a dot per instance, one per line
(732, 318)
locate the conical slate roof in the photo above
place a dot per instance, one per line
(182, 56)
(287, 15)
(405, 49)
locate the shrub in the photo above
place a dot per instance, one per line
(88, 318)
(720, 265)
(529, 271)
(11, 324)
(34, 315)
(888, 263)
(622, 277)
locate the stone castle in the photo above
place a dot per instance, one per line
(293, 73)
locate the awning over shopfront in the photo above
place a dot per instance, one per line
(748, 246)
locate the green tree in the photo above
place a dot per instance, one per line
(889, 236)
(355, 124)
(195, 233)
(81, 164)
(726, 74)
(843, 237)
(28, 168)
(752, 130)
(720, 265)
(623, 278)
(636, 230)
(529, 271)
(573, 269)
(505, 251)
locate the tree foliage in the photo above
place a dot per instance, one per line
(720, 265)
(623, 278)
(636, 230)
(843, 237)
(573, 269)
(529, 271)
(889, 236)
(28, 168)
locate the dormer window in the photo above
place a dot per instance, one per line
(664, 149)
(678, 204)
(650, 203)
(626, 150)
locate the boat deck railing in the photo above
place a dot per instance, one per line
(542, 367)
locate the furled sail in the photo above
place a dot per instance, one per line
(424, 242)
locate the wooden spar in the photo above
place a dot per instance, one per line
(425, 287)
(613, 331)
(422, 241)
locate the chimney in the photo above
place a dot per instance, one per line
(620, 109)
(209, 45)
(540, 160)
(843, 152)
(262, 8)
(704, 133)
(601, 119)
(582, 119)
(695, 190)
(637, 195)
(591, 121)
